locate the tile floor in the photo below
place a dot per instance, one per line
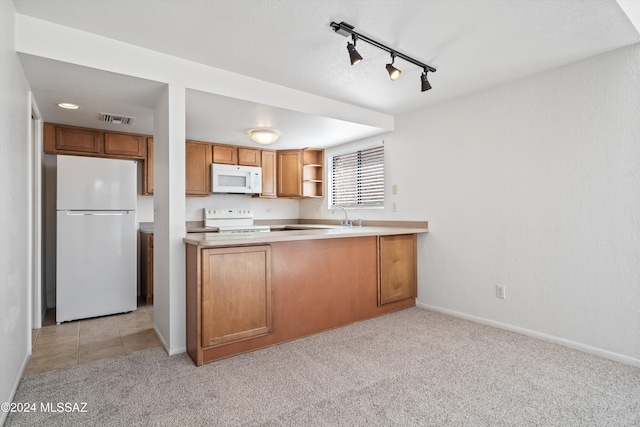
(82, 341)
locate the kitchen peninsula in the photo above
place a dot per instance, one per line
(249, 291)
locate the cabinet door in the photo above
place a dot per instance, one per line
(146, 267)
(147, 168)
(225, 154)
(236, 294)
(77, 140)
(268, 173)
(150, 271)
(122, 144)
(397, 271)
(198, 168)
(289, 172)
(249, 157)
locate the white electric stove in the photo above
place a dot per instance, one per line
(232, 220)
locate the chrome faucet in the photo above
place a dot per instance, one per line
(346, 220)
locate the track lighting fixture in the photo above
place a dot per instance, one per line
(425, 83)
(346, 30)
(354, 56)
(394, 73)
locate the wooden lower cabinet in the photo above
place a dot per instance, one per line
(397, 270)
(146, 267)
(229, 297)
(236, 294)
(315, 285)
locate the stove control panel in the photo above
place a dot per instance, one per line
(227, 213)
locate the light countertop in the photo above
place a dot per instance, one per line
(310, 233)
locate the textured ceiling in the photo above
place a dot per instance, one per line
(473, 44)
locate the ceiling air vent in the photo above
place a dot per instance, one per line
(118, 120)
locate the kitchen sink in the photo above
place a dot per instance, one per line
(313, 226)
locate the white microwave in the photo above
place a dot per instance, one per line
(236, 179)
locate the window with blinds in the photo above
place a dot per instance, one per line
(357, 179)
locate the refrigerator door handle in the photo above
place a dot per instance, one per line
(101, 213)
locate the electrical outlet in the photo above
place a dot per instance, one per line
(500, 291)
(394, 189)
(393, 208)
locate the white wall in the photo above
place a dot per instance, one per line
(534, 185)
(262, 208)
(15, 226)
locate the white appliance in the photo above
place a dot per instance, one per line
(232, 220)
(96, 245)
(236, 179)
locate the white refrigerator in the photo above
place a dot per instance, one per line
(96, 246)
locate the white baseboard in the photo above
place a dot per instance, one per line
(170, 352)
(178, 350)
(25, 362)
(556, 340)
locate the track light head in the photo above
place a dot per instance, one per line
(354, 56)
(394, 73)
(425, 83)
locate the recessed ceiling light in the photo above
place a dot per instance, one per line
(68, 106)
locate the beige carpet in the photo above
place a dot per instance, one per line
(413, 367)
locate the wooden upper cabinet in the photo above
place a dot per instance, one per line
(62, 139)
(70, 140)
(268, 162)
(123, 144)
(289, 173)
(147, 168)
(397, 270)
(198, 168)
(226, 154)
(300, 173)
(249, 157)
(233, 155)
(313, 172)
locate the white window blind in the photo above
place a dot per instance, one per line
(357, 179)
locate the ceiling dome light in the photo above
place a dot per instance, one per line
(264, 136)
(68, 106)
